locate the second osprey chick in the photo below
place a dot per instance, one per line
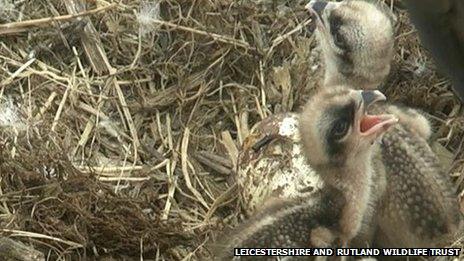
(357, 40)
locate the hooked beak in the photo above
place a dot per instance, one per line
(372, 126)
(316, 7)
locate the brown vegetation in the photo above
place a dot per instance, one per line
(120, 121)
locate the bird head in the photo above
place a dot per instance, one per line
(335, 125)
(357, 40)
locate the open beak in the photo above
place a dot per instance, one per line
(373, 126)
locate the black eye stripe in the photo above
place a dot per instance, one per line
(341, 117)
(335, 23)
(339, 113)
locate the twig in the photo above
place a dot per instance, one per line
(217, 37)
(122, 178)
(230, 192)
(213, 165)
(278, 40)
(230, 146)
(104, 169)
(18, 27)
(19, 233)
(45, 107)
(184, 158)
(172, 184)
(17, 72)
(61, 106)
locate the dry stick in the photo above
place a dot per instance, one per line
(230, 192)
(47, 71)
(45, 107)
(217, 37)
(172, 185)
(19, 233)
(122, 178)
(18, 27)
(103, 169)
(230, 146)
(214, 161)
(16, 73)
(203, 187)
(139, 50)
(90, 40)
(62, 103)
(90, 123)
(128, 116)
(121, 174)
(278, 40)
(237, 121)
(262, 108)
(185, 141)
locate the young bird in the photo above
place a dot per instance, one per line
(419, 207)
(339, 140)
(357, 41)
(287, 223)
(440, 24)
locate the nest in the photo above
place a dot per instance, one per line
(120, 123)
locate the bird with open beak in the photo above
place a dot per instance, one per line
(338, 136)
(339, 141)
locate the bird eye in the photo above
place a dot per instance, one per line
(336, 23)
(339, 41)
(340, 129)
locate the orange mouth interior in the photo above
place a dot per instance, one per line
(368, 122)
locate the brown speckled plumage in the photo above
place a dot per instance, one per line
(419, 208)
(285, 223)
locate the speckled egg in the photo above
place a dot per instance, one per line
(272, 164)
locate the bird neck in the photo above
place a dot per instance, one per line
(354, 179)
(333, 77)
(365, 76)
(353, 175)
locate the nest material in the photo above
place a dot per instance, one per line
(125, 119)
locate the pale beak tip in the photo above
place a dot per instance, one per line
(309, 5)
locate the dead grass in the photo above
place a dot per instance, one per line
(125, 117)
